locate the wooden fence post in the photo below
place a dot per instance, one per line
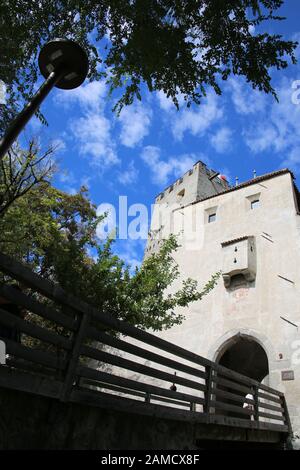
(208, 382)
(286, 415)
(70, 375)
(192, 406)
(256, 408)
(2, 353)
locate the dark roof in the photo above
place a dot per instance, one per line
(256, 180)
(235, 240)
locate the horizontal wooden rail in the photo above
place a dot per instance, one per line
(25, 365)
(118, 361)
(267, 406)
(231, 396)
(121, 345)
(265, 396)
(35, 331)
(99, 376)
(225, 406)
(32, 305)
(272, 416)
(232, 385)
(34, 355)
(75, 341)
(143, 396)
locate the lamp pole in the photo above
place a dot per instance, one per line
(64, 64)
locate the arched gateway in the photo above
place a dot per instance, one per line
(245, 355)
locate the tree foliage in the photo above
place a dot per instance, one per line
(55, 234)
(177, 46)
(21, 170)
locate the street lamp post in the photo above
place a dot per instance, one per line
(64, 64)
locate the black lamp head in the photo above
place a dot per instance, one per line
(66, 54)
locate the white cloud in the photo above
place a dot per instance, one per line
(292, 161)
(260, 138)
(93, 133)
(58, 145)
(296, 38)
(278, 127)
(245, 99)
(198, 121)
(67, 177)
(89, 96)
(163, 170)
(128, 176)
(135, 123)
(222, 140)
(166, 104)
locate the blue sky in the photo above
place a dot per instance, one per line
(151, 144)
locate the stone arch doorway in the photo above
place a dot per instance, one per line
(220, 345)
(245, 355)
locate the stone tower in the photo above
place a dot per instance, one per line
(251, 232)
(196, 184)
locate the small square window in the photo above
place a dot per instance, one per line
(255, 204)
(212, 218)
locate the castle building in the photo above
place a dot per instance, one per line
(251, 233)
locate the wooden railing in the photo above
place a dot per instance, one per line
(74, 352)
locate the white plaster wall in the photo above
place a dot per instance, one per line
(257, 309)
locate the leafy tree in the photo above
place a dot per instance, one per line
(21, 170)
(177, 46)
(55, 234)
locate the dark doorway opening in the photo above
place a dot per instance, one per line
(246, 356)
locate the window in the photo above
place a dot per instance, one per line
(212, 218)
(181, 194)
(253, 201)
(210, 214)
(255, 204)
